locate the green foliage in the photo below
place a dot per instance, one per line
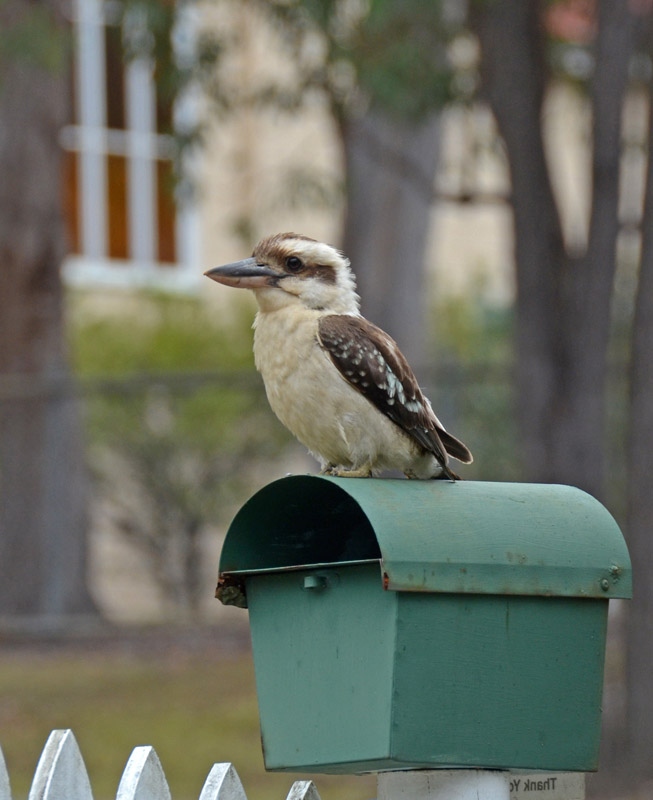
(158, 31)
(470, 331)
(390, 54)
(474, 383)
(148, 31)
(35, 38)
(177, 368)
(177, 426)
(399, 53)
(164, 332)
(387, 80)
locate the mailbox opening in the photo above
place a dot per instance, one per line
(290, 525)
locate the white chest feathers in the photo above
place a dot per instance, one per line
(313, 400)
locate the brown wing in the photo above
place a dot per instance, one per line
(371, 361)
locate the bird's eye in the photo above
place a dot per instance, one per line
(294, 264)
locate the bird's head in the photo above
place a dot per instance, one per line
(288, 269)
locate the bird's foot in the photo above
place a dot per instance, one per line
(341, 472)
(444, 475)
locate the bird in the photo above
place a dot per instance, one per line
(338, 382)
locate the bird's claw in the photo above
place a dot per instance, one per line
(341, 472)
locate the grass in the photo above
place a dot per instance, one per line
(194, 710)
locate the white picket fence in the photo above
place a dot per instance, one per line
(61, 775)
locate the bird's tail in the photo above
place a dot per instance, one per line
(455, 447)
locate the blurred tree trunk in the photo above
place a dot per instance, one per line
(514, 78)
(42, 485)
(563, 315)
(390, 167)
(563, 299)
(639, 710)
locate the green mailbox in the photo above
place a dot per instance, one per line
(419, 624)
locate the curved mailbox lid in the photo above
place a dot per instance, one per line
(434, 536)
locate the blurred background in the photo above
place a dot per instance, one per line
(485, 166)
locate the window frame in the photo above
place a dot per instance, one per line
(142, 147)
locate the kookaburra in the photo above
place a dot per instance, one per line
(335, 380)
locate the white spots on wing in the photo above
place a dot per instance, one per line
(414, 406)
(365, 366)
(394, 386)
(342, 347)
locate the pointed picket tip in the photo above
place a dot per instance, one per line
(61, 771)
(5, 786)
(223, 783)
(303, 790)
(143, 778)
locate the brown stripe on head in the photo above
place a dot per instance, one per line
(323, 272)
(274, 244)
(318, 259)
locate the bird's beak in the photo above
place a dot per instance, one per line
(245, 274)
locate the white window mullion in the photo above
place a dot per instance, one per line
(91, 112)
(141, 163)
(139, 145)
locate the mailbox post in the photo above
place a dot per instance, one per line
(426, 625)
